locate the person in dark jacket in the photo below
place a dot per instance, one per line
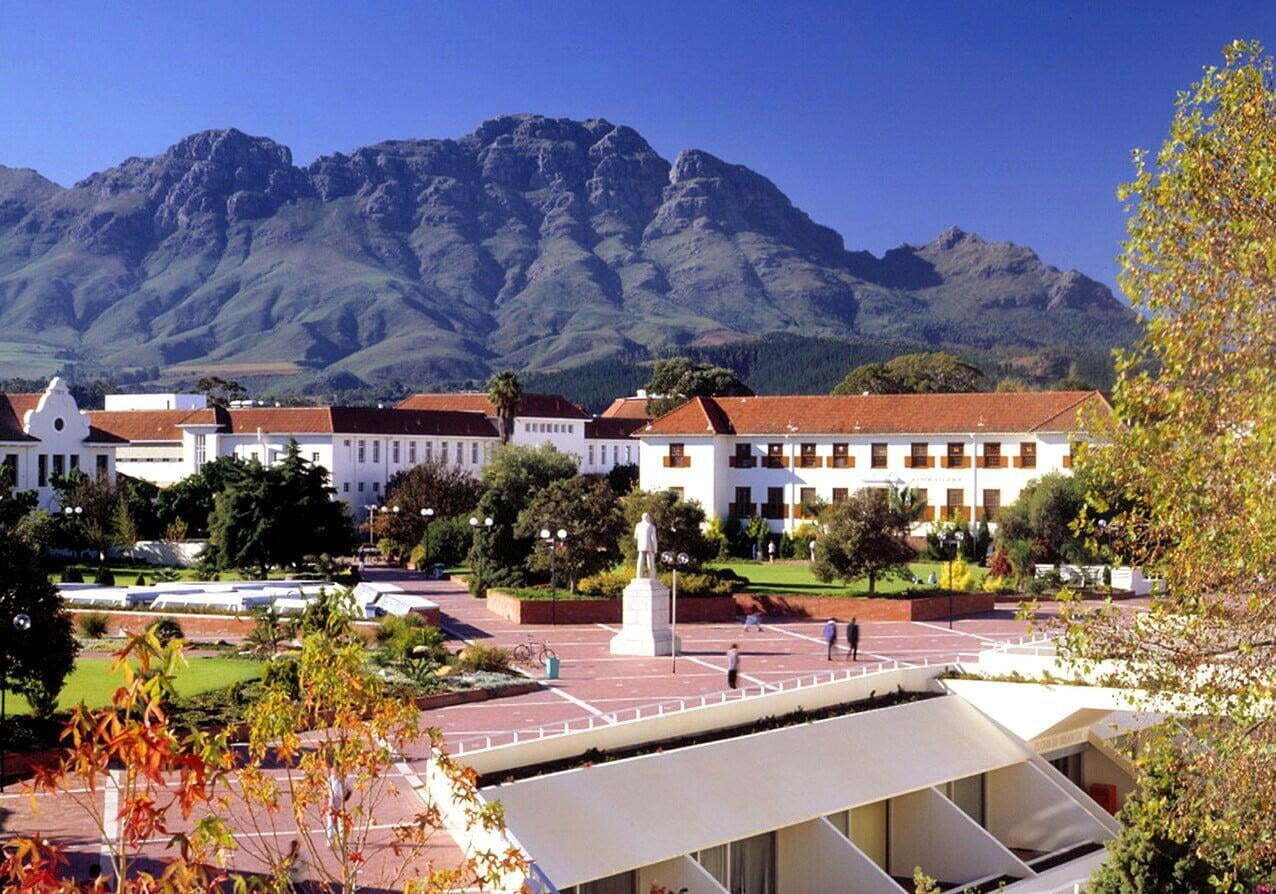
(853, 640)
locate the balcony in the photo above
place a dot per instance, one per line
(742, 510)
(775, 510)
(742, 462)
(990, 462)
(677, 462)
(841, 462)
(955, 513)
(1026, 462)
(809, 462)
(954, 462)
(775, 462)
(919, 462)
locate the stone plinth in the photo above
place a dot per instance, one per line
(645, 626)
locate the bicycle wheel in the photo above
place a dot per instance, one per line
(547, 652)
(522, 653)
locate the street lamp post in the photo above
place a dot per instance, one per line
(955, 542)
(674, 561)
(427, 515)
(548, 538)
(372, 520)
(21, 624)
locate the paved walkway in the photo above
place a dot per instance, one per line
(595, 682)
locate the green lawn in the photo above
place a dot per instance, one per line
(93, 682)
(796, 577)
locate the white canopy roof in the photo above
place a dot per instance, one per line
(593, 822)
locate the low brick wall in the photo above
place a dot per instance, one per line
(599, 611)
(843, 608)
(467, 696)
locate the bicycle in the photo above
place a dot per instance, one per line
(533, 652)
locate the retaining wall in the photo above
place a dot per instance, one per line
(843, 608)
(599, 611)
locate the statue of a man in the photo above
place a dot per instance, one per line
(645, 535)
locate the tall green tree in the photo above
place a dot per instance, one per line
(442, 487)
(220, 392)
(1044, 516)
(1194, 459)
(36, 661)
(505, 391)
(676, 379)
(585, 509)
(925, 373)
(864, 536)
(510, 481)
(190, 500)
(679, 525)
(277, 515)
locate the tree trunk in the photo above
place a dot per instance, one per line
(872, 582)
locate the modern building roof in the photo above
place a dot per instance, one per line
(627, 408)
(167, 425)
(549, 406)
(1001, 412)
(580, 824)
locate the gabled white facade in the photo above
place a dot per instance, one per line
(48, 435)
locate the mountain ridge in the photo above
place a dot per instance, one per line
(531, 242)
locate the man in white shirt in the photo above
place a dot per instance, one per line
(830, 636)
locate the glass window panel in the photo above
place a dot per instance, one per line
(616, 884)
(841, 821)
(714, 861)
(753, 865)
(968, 794)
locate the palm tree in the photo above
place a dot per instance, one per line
(504, 391)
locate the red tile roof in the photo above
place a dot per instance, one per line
(1030, 411)
(12, 408)
(166, 425)
(612, 428)
(141, 425)
(545, 406)
(627, 408)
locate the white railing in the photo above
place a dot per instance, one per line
(688, 703)
(1037, 644)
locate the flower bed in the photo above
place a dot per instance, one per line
(522, 610)
(900, 607)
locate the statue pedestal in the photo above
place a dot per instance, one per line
(646, 629)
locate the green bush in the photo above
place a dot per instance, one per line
(606, 584)
(409, 638)
(72, 575)
(166, 630)
(103, 577)
(702, 584)
(446, 540)
(478, 657)
(284, 671)
(1037, 585)
(92, 625)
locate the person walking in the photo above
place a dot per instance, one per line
(733, 665)
(770, 550)
(753, 621)
(830, 636)
(853, 640)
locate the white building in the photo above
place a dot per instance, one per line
(968, 454)
(169, 401)
(45, 434)
(360, 447)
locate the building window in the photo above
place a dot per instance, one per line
(376, 451)
(677, 458)
(443, 452)
(363, 451)
(1028, 455)
(10, 470)
(527, 426)
(376, 487)
(394, 452)
(743, 458)
(840, 494)
(591, 454)
(774, 505)
(842, 456)
(345, 487)
(743, 505)
(474, 448)
(59, 465)
(807, 458)
(775, 458)
(201, 450)
(75, 461)
(429, 451)
(103, 463)
(629, 453)
(968, 794)
(360, 487)
(806, 502)
(677, 492)
(918, 455)
(992, 455)
(346, 442)
(992, 503)
(412, 453)
(752, 864)
(956, 455)
(878, 460)
(314, 458)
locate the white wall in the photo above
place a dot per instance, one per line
(1024, 810)
(676, 874)
(929, 831)
(565, 435)
(814, 858)
(61, 428)
(170, 401)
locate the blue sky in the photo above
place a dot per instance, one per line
(886, 121)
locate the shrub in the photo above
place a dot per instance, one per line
(995, 583)
(961, 578)
(1037, 585)
(92, 625)
(409, 637)
(999, 564)
(103, 577)
(166, 630)
(72, 575)
(447, 540)
(701, 584)
(284, 671)
(478, 657)
(606, 584)
(141, 581)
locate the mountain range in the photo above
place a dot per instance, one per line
(532, 243)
